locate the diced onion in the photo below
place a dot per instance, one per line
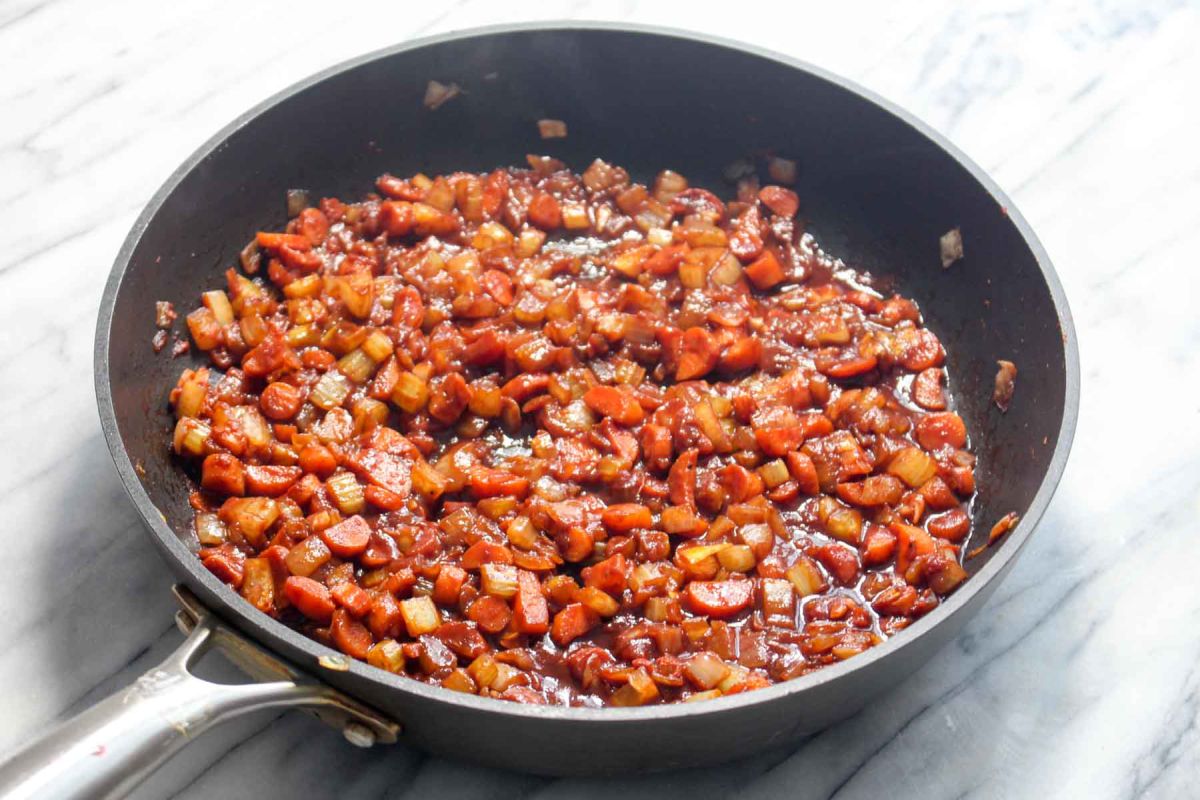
(737, 676)
(913, 466)
(411, 393)
(575, 216)
(659, 236)
(598, 600)
(191, 436)
(552, 128)
(484, 670)
(806, 577)
(297, 201)
(437, 94)
(774, 473)
(498, 580)
(387, 655)
(640, 690)
(347, 493)
(951, 245)
(521, 532)
(420, 615)
(356, 365)
(427, 481)
(737, 558)
(306, 557)
(459, 681)
(781, 170)
(706, 670)
(218, 302)
(210, 530)
(727, 272)
(331, 390)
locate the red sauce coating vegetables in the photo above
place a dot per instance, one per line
(570, 439)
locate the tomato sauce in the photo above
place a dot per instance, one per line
(567, 438)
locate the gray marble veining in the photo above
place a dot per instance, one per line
(1080, 679)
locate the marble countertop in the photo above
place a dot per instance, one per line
(1080, 679)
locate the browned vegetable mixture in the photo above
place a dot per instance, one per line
(570, 439)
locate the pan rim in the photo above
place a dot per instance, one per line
(270, 632)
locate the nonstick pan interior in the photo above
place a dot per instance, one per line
(875, 189)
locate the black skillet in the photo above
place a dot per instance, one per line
(878, 189)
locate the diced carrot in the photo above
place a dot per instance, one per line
(318, 460)
(698, 356)
(719, 598)
(874, 490)
(938, 495)
(273, 241)
(572, 622)
(803, 471)
(396, 217)
(575, 544)
(920, 349)
(911, 542)
(449, 582)
(624, 517)
(744, 353)
(485, 552)
(878, 546)
(766, 271)
(495, 190)
(223, 473)
(544, 212)
(349, 635)
(842, 562)
(488, 482)
(935, 430)
(682, 479)
(280, 401)
(530, 613)
(927, 389)
(952, 526)
(270, 480)
(783, 202)
(740, 483)
(385, 618)
(619, 405)
(348, 538)
(525, 386)
(666, 261)
(611, 575)
(498, 285)
(352, 597)
(312, 599)
(383, 498)
(489, 613)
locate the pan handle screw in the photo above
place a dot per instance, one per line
(358, 734)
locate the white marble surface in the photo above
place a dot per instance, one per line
(1081, 678)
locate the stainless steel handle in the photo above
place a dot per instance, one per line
(114, 745)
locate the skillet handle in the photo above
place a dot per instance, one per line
(114, 745)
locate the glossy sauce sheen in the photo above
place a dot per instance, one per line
(570, 439)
